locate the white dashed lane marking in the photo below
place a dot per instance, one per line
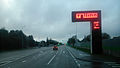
(63, 51)
(24, 61)
(52, 58)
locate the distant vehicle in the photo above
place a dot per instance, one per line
(55, 48)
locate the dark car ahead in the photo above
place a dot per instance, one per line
(55, 48)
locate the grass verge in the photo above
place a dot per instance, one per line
(82, 49)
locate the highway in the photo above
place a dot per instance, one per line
(45, 57)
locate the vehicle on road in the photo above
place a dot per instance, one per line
(55, 48)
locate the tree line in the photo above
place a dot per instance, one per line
(15, 39)
(48, 42)
(87, 38)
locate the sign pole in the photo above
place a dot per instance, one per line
(96, 47)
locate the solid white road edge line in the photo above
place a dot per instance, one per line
(74, 58)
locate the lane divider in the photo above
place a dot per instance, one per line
(24, 61)
(52, 59)
(60, 52)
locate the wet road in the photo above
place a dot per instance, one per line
(45, 57)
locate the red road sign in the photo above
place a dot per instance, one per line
(96, 25)
(95, 21)
(79, 16)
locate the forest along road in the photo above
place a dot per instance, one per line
(46, 57)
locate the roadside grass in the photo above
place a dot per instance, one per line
(107, 56)
(87, 48)
(82, 49)
(112, 48)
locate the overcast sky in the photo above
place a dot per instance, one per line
(52, 18)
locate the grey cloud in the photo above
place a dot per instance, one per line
(52, 18)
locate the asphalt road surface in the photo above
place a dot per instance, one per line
(45, 57)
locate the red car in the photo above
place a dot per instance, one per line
(55, 48)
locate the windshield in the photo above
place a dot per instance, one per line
(59, 33)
